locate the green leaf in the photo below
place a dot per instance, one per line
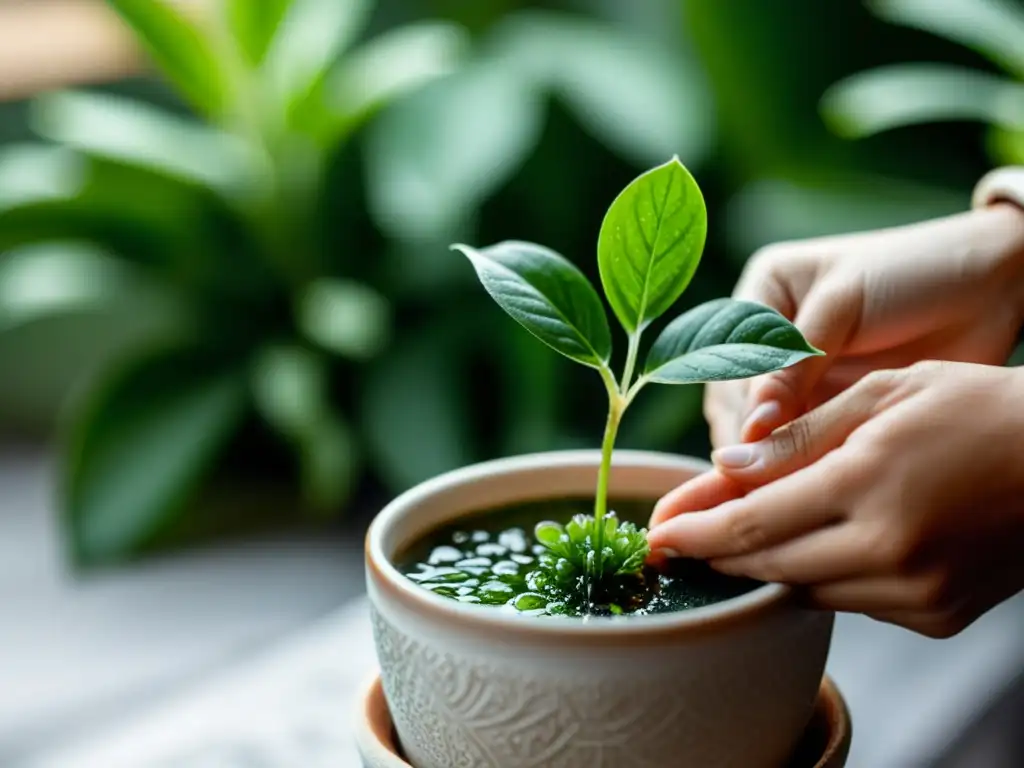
(130, 132)
(909, 94)
(181, 49)
(607, 76)
(725, 339)
(651, 242)
(414, 409)
(254, 24)
(548, 295)
(346, 317)
(313, 34)
(994, 28)
(290, 387)
(145, 438)
(53, 278)
(434, 157)
(392, 65)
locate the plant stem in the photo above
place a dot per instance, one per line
(615, 409)
(631, 354)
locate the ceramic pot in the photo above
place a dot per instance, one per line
(729, 685)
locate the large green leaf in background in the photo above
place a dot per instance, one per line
(290, 388)
(907, 94)
(392, 65)
(433, 158)
(139, 446)
(181, 49)
(651, 242)
(994, 28)
(414, 415)
(254, 23)
(312, 35)
(639, 96)
(133, 133)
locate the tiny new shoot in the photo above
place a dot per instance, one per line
(648, 250)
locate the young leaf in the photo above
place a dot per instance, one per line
(650, 243)
(254, 24)
(548, 296)
(143, 441)
(181, 50)
(725, 339)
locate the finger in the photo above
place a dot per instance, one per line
(768, 516)
(724, 404)
(801, 442)
(702, 492)
(827, 320)
(827, 554)
(869, 594)
(927, 623)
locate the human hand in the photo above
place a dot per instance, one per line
(901, 498)
(949, 289)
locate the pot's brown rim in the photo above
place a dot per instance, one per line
(507, 626)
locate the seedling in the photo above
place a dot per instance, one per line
(648, 250)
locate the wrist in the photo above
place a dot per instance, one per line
(998, 203)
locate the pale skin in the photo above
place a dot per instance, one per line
(886, 478)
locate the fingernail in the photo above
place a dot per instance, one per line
(735, 456)
(666, 552)
(765, 412)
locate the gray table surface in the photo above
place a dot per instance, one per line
(238, 657)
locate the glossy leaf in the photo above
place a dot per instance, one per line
(254, 24)
(725, 339)
(994, 28)
(548, 295)
(313, 34)
(651, 242)
(180, 48)
(146, 437)
(908, 94)
(130, 132)
(392, 65)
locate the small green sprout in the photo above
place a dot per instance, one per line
(648, 250)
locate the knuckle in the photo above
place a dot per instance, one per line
(893, 549)
(746, 530)
(794, 439)
(877, 384)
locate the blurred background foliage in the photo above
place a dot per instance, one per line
(229, 291)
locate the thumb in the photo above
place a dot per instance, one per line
(827, 320)
(799, 443)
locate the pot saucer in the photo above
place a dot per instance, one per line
(826, 742)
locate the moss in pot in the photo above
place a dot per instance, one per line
(507, 640)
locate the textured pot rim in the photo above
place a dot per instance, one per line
(696, 621)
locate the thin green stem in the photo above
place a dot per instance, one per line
(611, 429)
(631, 355)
